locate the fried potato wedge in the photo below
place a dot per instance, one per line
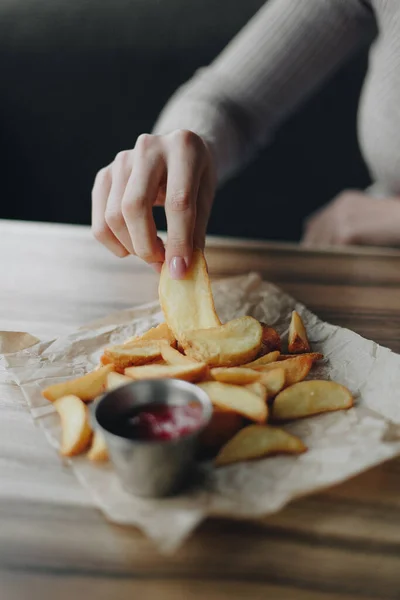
(98, 450)
(160, 332)
(258, 441)
(309, 398)
(296, 368)
(264, 360)
(270, 340)
(75, 427)
(273, 381)
(297, 339)
(222, 426)
(236, 398)
(229, 345)
(259, 389)
(139, 354)
(234, 375)
(116, 380)
(315, 356)
(188, 303)
(86, 388)
(193, 372)
(104, 360)
(174, 357)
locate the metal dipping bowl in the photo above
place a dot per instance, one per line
(150, 468)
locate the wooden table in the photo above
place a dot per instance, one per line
(343, 543)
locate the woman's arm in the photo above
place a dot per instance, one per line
(287, 50)
(217, 121)
(355, 218)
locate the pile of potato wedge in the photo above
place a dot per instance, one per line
(253, 386)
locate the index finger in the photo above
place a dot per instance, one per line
(183, 181)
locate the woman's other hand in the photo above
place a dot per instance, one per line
(354, 218)
(175, 171)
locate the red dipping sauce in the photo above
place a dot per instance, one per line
(158, 422)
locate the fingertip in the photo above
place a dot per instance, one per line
(122, 252)
(157, 266)
(178, 267)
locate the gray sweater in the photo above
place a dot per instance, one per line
(287, 50)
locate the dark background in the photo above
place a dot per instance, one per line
(81, 79)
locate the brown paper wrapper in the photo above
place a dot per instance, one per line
(340, 444)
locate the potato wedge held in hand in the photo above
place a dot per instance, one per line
(298, 340)
(140, 353)
(98, 450)
(192, 373)
(160, 332)
(75, 427)
(229, 345)
(236, 398)
(258, 441)
(188, 303)
(87, 387)
(296, 368)
(116, 380)
(309, 398)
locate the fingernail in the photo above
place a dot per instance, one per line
(177, 267)
(157, 266)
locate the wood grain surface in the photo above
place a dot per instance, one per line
(340, 544)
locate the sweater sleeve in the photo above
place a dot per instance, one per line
(286, 50)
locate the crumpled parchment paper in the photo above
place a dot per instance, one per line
(340, 444)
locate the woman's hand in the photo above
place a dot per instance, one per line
(354, 218)
(176, 171)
